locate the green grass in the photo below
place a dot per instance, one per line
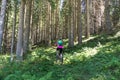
(96, 59)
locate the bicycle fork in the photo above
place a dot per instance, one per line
(59, 56)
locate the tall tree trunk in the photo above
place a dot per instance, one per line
(87, 19)
(74, 20)
(71, 28)
(119, 9)
(36, 33)
(5, 35)
(39, 30)
(13, 29)
(96, 17)
(31, 25)
(57, 20)
(107, 16)
(49, 25)
(2, 20)
(19, 50)
(91, 17)
(79, 22)
(53, 25)
(27, 25)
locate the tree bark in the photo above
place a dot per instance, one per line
(87, 19)
(71, 28)
(19, 50)
(2, 20)
(107, 16)
(5, 34)
(27, 25)
(13, 30)
(79, 22)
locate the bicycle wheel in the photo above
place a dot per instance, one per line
(61, 57)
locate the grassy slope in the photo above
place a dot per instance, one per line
(97, 59)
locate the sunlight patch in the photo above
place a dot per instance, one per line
(50, 49)
(34, 54)
(89, 39)
(4, 57)
(117, 34)
(86, 53)
(90, 51)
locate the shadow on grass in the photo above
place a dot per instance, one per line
(105, 65)
(92, 43)
(102, 66)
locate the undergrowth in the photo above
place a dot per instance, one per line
(96, 59)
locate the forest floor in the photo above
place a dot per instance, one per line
(98, 58)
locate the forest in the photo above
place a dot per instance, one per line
(30, 29)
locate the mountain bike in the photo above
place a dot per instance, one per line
(59, 56)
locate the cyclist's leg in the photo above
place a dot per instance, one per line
(57, 54)
(61, 55)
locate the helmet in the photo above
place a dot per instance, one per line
(60, 42)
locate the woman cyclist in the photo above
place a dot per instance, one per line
(59, 50)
